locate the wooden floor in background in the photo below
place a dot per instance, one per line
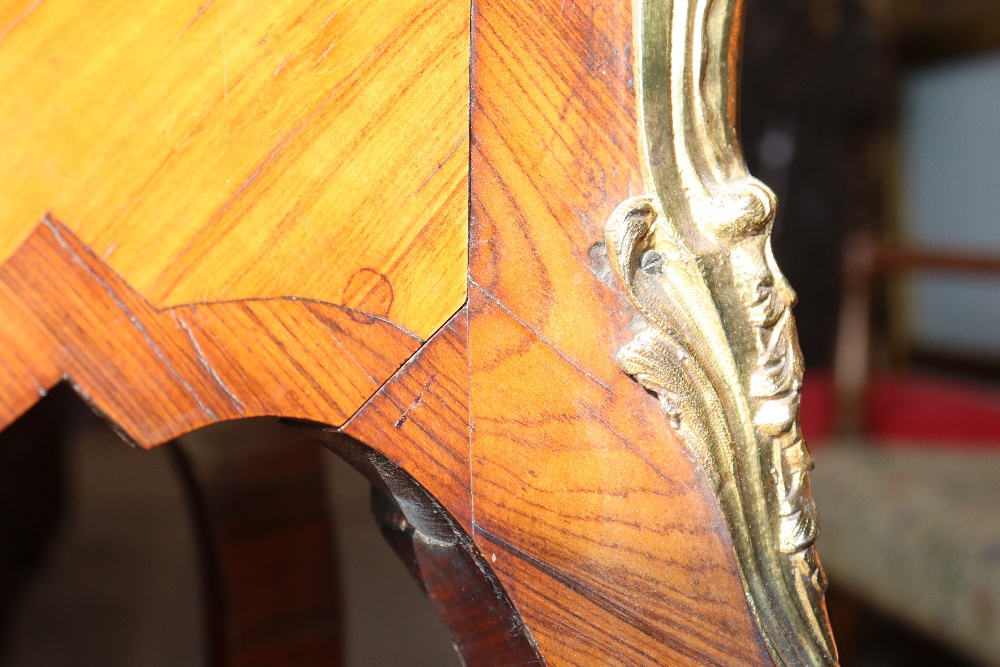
(120, 588)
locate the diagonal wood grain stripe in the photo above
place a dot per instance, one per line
(157, 374)
(269, 149)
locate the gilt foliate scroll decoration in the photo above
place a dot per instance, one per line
(720, 347)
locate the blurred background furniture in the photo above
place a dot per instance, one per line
(873, 121)
(244, 518)
(128, 552)
(910, 470)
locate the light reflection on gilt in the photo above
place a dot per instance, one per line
(720, 347)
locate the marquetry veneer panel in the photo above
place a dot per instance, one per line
(157, 374)
(215, 151)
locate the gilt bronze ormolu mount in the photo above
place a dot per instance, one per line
(720, 347)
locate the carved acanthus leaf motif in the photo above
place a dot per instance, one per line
(720, 348)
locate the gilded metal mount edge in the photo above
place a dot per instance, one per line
(720, 347)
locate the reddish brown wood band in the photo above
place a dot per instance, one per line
(420, 419)
(157, 374)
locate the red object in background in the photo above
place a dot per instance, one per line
(918, 408)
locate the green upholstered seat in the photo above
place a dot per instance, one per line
(916, 532)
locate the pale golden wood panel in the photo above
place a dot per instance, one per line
(214, 150)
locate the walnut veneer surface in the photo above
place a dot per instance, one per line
(223, 209)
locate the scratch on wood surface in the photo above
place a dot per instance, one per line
(590, 590)
(361, 313)
(403, 369)
(657, 470)
(201, 10)
(443, 162)
(332, 44)
(203, 360)
(20, 19)
(539, 336)
(322, 57)
(328, 19)
(131, 316)
(225, 84)
(285, 62)
(416, 402)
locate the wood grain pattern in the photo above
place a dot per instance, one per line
(411, 440)
(158, 374)
(512, 433)
(419, 419)
(603, 529)
(214, 151)
(486, 628)
(577, 499)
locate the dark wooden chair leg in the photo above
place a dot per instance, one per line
(32, 493)
(451, 576)
(485, 627)
(269, 563)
